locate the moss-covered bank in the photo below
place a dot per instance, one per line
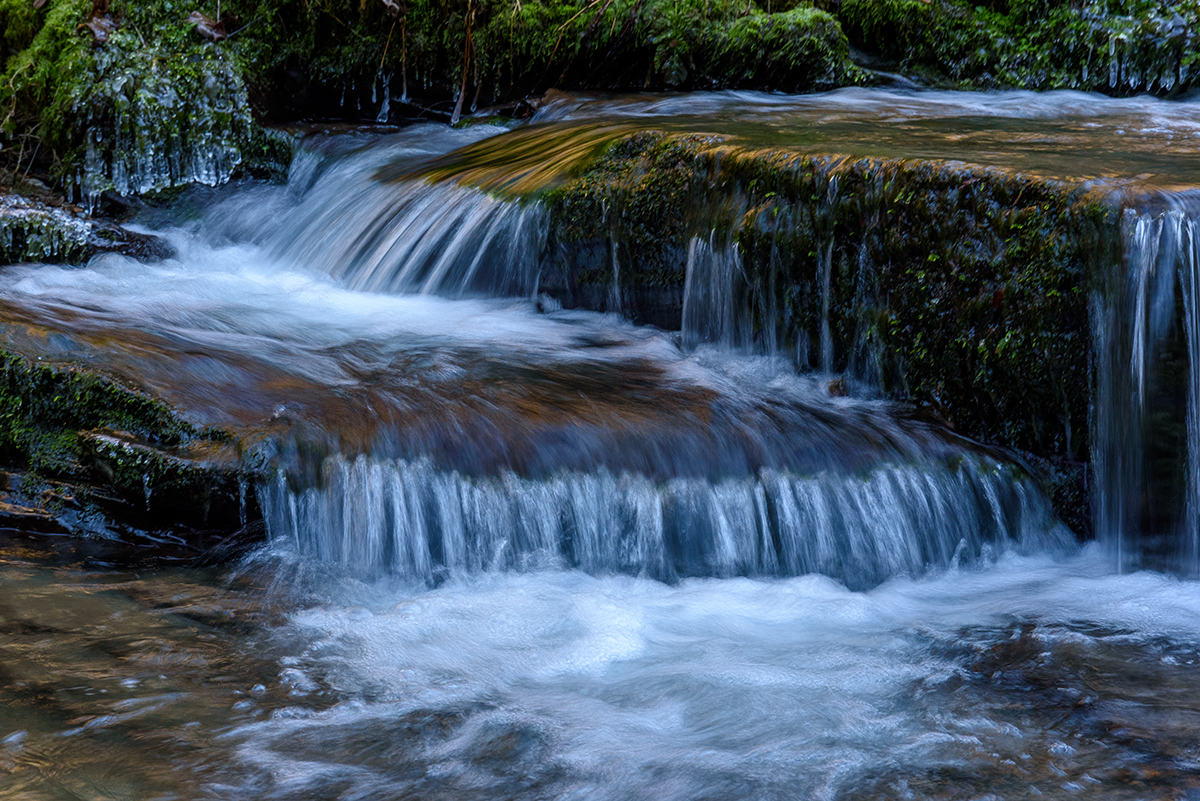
(131, 98)
(1118, 47)
(104, 459)
(964, 289)
(128, 98)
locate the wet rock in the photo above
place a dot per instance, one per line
(42, 228)
(86, 456)
(957, 287)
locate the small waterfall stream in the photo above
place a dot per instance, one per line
(516, 550)
(1148, 365)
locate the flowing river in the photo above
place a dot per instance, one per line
(516, 551)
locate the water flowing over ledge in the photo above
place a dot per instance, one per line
(961, 286)
(522, 551)
(1147, 334)
(422, 523)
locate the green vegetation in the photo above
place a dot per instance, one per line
(142, 101)
(964, 289)
(108, 441)
(150, 103)
(1117, 47)
(142, 105)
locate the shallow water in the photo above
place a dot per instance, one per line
(518, 552)
(1060, 134)
(1031, 676)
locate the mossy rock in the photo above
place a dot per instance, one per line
(1119, 47)
(964, 289)
(147, 106)
(797, 50)
(117, 451)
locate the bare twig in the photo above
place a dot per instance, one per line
(466, 68)
(386, 45)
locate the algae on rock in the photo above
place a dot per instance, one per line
(105, 447)
(963, 288)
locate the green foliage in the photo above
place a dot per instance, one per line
(19, 21)
(1114, 46)
(801, 49)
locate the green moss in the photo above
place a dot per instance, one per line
(801, 49)
(154, 106)
(40, 404)
(62, 424)
(532, 46)
(18, 25)
(964, 289)
(1113, 46)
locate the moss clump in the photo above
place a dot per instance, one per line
(519, 48)
(797, 50)
(1114, 46)
(66, 424)
(148, 106)
(961, 288)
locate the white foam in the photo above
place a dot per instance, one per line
(617, 687)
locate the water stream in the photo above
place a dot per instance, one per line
(519, 552)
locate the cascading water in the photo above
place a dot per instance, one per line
(409, 236)
(416, 521)
(1147, 401)
(517, 551)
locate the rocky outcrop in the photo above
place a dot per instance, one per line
(37, 226)
(82, 454)
(962, 289)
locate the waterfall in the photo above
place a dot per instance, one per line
(423, 238)
(646, 460)
(367, 219)
(1146, 321)
(823, 278)
(415, 520)
(714, 302)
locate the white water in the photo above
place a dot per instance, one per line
(675, 464)
(421, 523)
(445, 465)
(1147, 333)
(562, 685)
